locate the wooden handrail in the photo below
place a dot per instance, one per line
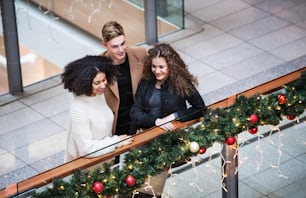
(139, 140)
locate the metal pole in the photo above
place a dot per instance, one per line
(150, 21)
(230, 173)
(11, 47)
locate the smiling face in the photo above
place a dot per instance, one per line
(160, 69)
(98, 84)
(116, 47)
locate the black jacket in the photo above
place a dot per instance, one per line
(171, 103)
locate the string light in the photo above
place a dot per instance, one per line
(171, 181)
(148, 187)
(70, 10)
(97, 10)
(279, 173)
(194, 183)
(259, 163)
(224, 175)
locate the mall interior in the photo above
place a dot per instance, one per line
(231, 46)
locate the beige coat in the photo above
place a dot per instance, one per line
(136, 57)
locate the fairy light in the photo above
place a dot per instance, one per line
(274, 128)
(208, 165)
(171, 181)
(194, 183)
(280, 144)
(97, 10)
(130, 167)
(70, 10)
(297, 120)
(148, 187)
(235, 156)
(259, 163)
(110, 4)
(48, 9)
(134, 193)
(224, 175)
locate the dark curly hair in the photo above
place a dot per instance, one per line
(79, 74)
(180, 79)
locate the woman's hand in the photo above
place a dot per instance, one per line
(168, 126)
(165, 122)
(126, 139)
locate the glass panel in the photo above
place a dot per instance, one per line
(52, 33)
(3, 73)
(271, 153)
(171, 11)
(170, 15)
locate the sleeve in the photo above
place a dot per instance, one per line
(195, 110)
(83, 138)
(139, 114)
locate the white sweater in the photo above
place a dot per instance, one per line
(90, 128)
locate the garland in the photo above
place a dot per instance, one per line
(218, 125)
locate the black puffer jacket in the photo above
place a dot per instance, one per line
(171, 103)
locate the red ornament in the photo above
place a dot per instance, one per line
(130, 180)
(253, 118)
(230, 140)
(290, 117)
(281, 98)
(97, 187)
(202, 150)
(253, 130)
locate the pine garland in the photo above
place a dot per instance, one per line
(172, 148)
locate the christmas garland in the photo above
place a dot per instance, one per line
(218, 125)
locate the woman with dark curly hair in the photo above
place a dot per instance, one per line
(162, 97)
(164, 91)
(91, 120)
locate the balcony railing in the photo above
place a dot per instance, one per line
(141, 139)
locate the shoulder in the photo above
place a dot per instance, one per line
(147, 82)
(80, 103)
(137, 50)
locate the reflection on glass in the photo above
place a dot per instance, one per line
(40, 60)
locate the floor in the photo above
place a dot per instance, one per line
(231, 46)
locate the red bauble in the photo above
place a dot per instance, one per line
(97, 187)
(230, 140)
(130, 180)
(253, 118)
(290, 117)
(202, 150)
(281, 98)
(253, 130)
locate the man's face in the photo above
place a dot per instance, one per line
(116, 47)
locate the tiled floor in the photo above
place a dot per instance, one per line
(230, 45)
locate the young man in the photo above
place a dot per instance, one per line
(129, 61)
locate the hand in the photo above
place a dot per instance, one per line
(164, 120)
(126, 139)
(168, 126)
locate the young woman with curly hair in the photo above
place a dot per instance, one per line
(91, 119)
(162, 97)
(164, 91)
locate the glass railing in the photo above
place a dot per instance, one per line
(196, 145)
